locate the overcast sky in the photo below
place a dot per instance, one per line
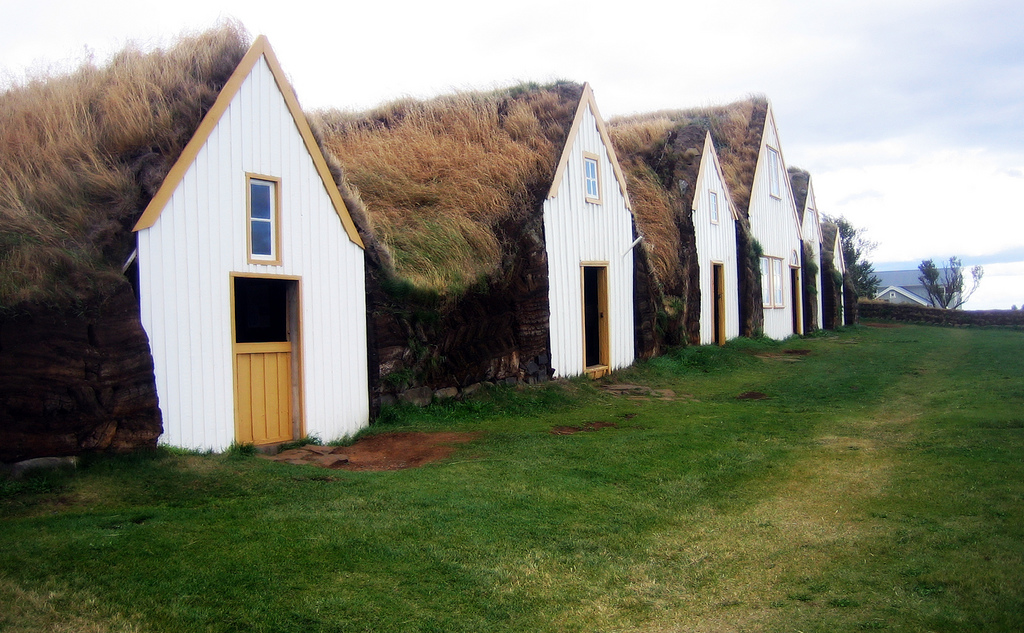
(909, 114)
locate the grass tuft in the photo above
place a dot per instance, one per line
(83, 153)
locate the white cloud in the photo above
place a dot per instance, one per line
(950, 202)
(1000, 288)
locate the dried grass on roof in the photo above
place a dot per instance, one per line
(652, 205)
(661, 148)
(82, 153)
(736, 130)
(800, 180)
(445, 181)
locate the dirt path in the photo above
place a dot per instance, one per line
(385, 451)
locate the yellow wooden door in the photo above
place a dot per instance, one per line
(263, 414)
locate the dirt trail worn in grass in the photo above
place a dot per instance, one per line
(802, 553)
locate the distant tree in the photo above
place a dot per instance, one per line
(856, 249)
(945, 286)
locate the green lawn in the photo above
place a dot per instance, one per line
(879, 486)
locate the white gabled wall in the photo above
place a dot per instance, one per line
(716, 243)
(775, 225)
(576, 232)
(839, 263)
(187, 256)
(812, 237)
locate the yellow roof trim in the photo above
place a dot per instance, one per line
(587, 98)
(260, 48)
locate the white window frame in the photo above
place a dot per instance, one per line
(772, 282)
(274, 184)
(774, 168)
(592, 181)
(713, 203)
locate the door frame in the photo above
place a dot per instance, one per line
(797, 298)
(718, 330)
(293, 299)
(603, 335)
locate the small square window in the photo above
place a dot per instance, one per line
(713, 200)
(263, 220)
(592, 177)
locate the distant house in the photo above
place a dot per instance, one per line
(250, 277)
(505, 237)
(904, 286)
(807, 209)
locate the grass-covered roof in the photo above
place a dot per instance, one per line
(446, 182)
(660, 149)
(800, 180)
(829, 231)
(84, 151)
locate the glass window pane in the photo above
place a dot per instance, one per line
(590, 177)
(260, 199)
(766, 281)
(262, 238)
(778, 282)
(714, 206)
(773, 171)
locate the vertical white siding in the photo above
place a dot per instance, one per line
(575, 232)
(186, 259)
(812, 237)
(839, 263)
(774, 224)
(716, 244)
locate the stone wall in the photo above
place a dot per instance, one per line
(76, 381)
(910, 313)
(495, 333)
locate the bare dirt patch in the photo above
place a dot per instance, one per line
(386, 451)
(752, 395)
(785, 357)
(643, 392)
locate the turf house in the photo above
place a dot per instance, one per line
(767, 231)
(834, 283)
(688, 219)
(776, 227)
(504, 238)
(193, 179)
(810, 231)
